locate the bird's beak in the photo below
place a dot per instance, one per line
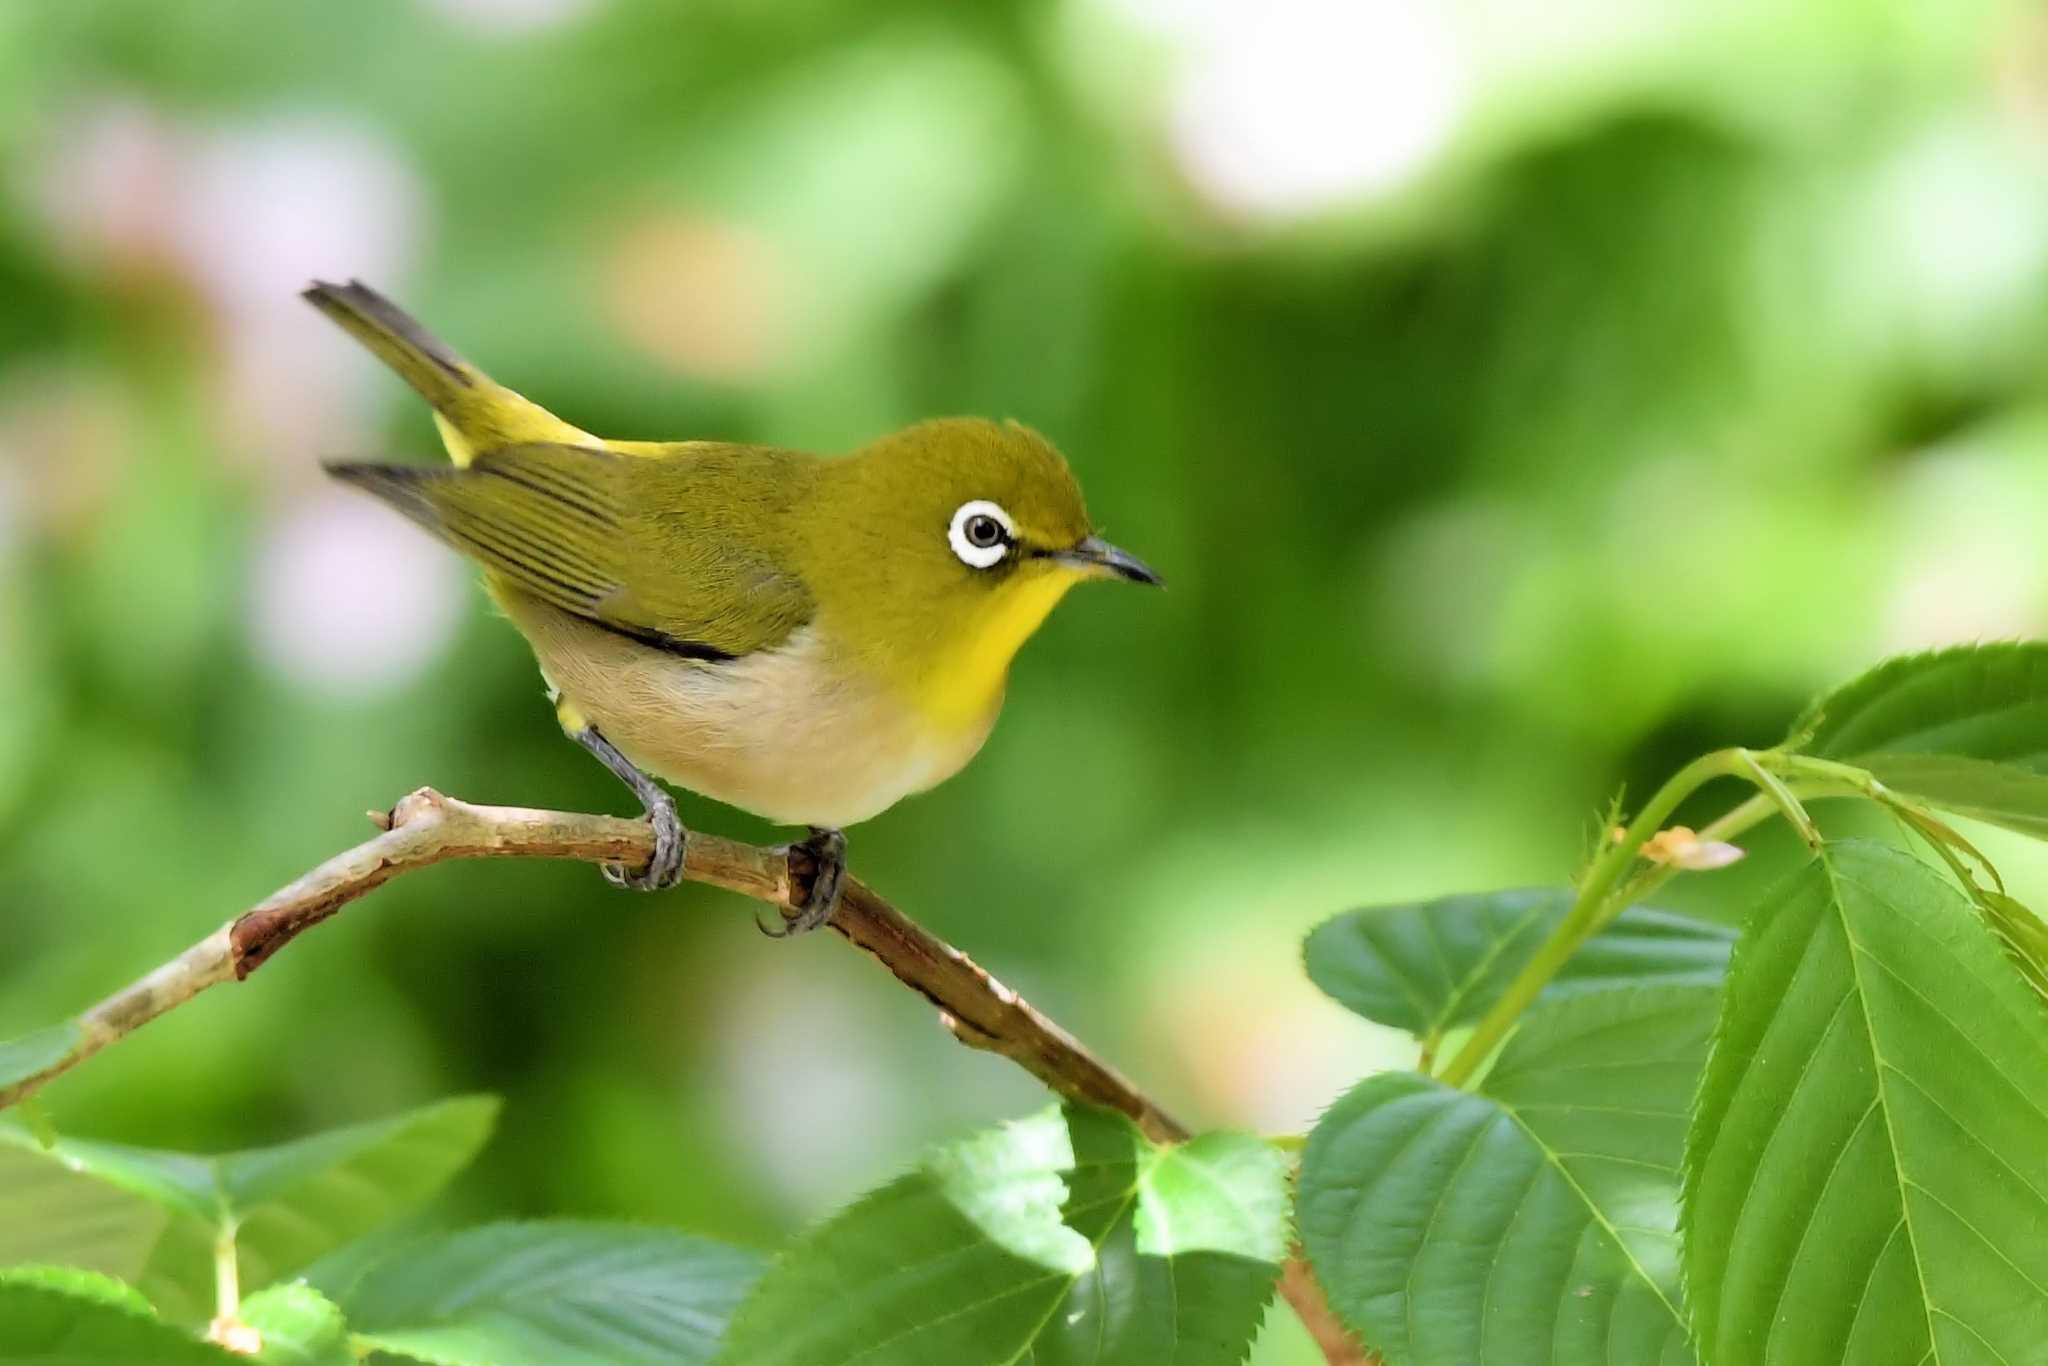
(1097, 558)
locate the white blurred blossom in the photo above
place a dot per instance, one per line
(265, 208)
(1292, 107)
(1965, 561)
(107, 182)
(349, 598)
(247, 213)
(805, 1081)
(1954, 223)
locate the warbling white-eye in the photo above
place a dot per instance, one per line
(807, 639)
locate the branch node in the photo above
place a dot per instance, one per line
(421, 803)
(968, 1033)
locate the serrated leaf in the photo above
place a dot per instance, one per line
(1059, 1240)
(553, 1294)
(1428, 966)
(80, 1282)
(1532, 1221)
(1867, 1173)
(42, 1325)
(1965, 729)
(288, 1203)
(2019, 932)
(299, 1327)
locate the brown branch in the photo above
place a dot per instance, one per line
(426, 827)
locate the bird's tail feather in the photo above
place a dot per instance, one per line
(474, 413)
(421, 359)
(405, 487)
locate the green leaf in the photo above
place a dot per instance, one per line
(288, 1203)
(1456, 1229)
(44, 1324)
(1867, 1173)
(1428, 966)
(299, 1327)
(1062, 1239)
(37, 1121)
(49, 1213)
(2019, 932)
(553, 1294)
(31, 1054)
(1965, 729)
(73, 1280)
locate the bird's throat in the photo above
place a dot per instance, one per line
(966, 687)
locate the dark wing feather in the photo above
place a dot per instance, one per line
(562, 522)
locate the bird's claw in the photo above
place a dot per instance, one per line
(665, 867)
(825, 851)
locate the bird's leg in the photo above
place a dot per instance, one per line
(665, 869)
(825, 851)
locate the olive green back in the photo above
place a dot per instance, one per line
(690, 551)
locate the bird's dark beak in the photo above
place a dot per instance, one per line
(1099, 559)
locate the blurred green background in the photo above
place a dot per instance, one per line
(1520, 397)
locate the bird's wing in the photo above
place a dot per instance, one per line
(613, 539)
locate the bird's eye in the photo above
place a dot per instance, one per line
(981, 534)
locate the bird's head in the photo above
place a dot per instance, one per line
(958, 537)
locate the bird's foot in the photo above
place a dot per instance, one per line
(671, 841)
(665, 867)
(820, 861)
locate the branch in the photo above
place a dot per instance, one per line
(426, 827)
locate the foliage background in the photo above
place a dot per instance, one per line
(1520, 398)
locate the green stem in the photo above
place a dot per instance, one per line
(1725, 827)
(1603, 894)
(1828, 778)
(1590, 910)
(1860, 781)
(227, 1276)
(1773, 787)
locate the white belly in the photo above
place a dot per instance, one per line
(775, 733)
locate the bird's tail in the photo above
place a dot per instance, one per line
(473, 412)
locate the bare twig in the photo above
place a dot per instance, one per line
(426, 827)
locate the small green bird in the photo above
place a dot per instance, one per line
(807, 639)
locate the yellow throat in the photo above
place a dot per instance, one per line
(965, 686)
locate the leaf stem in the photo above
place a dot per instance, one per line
(1860, 781)
(1587, 914)
(227, 1276)
(1603, 894)
(1773, 787)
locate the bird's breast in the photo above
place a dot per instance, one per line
(789, 733)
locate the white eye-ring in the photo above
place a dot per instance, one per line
(982, 533)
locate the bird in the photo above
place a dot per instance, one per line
(807, 638)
